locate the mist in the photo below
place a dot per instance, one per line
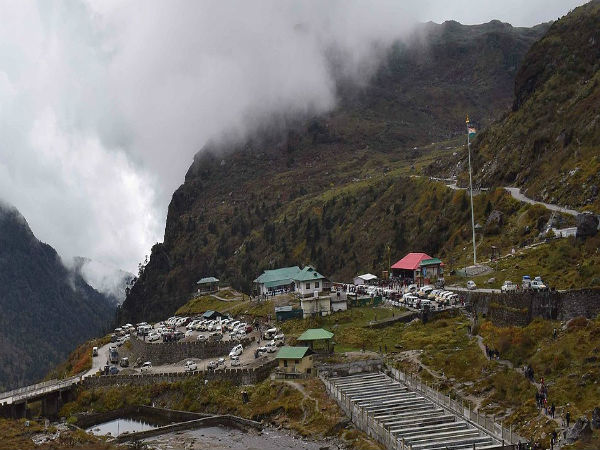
(105, 103)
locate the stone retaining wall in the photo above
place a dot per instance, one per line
(172, 352)
(236, 376)
(225, 420)
(520, 308)
(349, 368)
(86, 420)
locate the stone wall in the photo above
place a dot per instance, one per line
(173, 352)
(520, 308)
(240, 376)
(349, 368)
(224, 420)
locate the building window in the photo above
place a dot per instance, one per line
(307, 285)
(285, 363)
(297, 361)
(308, 370)
(316, 285)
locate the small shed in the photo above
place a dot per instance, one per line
(207, 285)
(318, 340)
(212, 315)
(295, 361)
(367, 278)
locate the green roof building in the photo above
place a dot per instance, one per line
(207, 285)
(294, 362)
(305, 281)
(318, 339)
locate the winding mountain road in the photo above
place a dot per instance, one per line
(517, 195)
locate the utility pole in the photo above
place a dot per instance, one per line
(471, 191)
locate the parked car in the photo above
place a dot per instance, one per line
(124, 362)
(188, 333)
(471, 285)
(235, 361)
(212, 365)
(262, 349)
(508, 286)
(190, 366)
(424, 291)
(236, 351)
(538, 285)
(412, 288)
(526, 282)
(270, 333)
(146, 366)
(95, 351)
(440, 283)
(202, 337)
(153, 337)
(113, 370)
(272, 347)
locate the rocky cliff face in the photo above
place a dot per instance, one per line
(549, 143)
(46, 310)
(332, 190)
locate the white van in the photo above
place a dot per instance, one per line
(236, 351)
(270, 333)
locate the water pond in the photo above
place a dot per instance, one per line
(122, 425)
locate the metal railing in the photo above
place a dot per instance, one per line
(461, 408)
(38, 389)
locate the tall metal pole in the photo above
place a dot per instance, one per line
(471, 190)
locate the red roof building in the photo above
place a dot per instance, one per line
(410, 261)
(418, 268)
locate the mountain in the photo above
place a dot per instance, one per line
(108, 280)
(46, 308)
(548, 144)
(327, 189)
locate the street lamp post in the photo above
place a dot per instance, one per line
(471, 190)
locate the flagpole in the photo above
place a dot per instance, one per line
(471, 190)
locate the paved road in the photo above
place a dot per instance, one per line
(98, 361)
(484, 290)
(516, 194)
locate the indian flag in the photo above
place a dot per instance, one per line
(472, 131)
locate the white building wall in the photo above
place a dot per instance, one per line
(306, 288)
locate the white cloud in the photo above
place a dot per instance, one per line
(104, 103)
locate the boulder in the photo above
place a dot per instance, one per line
(495, 217)
(580, 429)
(587, 225)
(596, 418)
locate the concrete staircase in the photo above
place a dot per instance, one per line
(404, 419)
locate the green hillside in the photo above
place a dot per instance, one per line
(336, 191)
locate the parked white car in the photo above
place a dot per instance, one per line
(471, 285)
(202, 337)
(190, 366)
(235, 361)
(153, 337)
(508, 286)
(236, 351)
(146, 366)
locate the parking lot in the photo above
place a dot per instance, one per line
(184, 329)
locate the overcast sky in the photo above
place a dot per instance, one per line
(104, 103)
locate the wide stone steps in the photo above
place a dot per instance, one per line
(408, 418)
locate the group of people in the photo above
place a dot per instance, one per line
(492, 353)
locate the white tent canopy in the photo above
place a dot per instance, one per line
(362, 279)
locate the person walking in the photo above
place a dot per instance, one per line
(568, 418)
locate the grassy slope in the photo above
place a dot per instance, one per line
(15, 435)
